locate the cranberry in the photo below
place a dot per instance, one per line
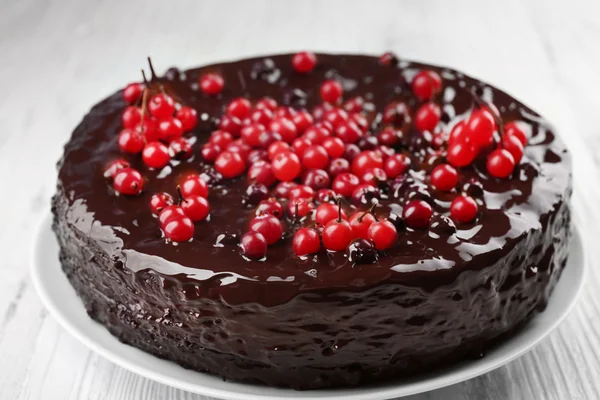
(131, 117)
(480, 128)
(388, 136)
(365, 160)
(336, 117)
(303, 120)
(161, 106)
(149, 129)
(156, 155)
(396, 165)
(269, 226)
(365, 194)
(374, 176)
(328, 126)
(179, 229)
(444, 177)
(300, 208)
(458, 133)
(327, 212)
(180, 148)
(230, 124)
(426, 84)
(337, 235)
(194, 185)
(253, 245)
(255, 193)
(512, 129)
(360, 222)
(463, 209)
(306, 241)
(158, 201)
(345, 183)
(210, 152)
(132, 92)
(239, 108)
(362, 251)
(348, 132)
(385, 152)
(211, 84)
(315, 157)
(196, 208)
(230, 164)
(427, 117)
(367, 143)
(278, 147)
(388, 58)
(316, 179)
(130, 141)
(261, 116)
(170, 213)
(500, 163)
(266, 103)
(299, 145)
(286, 166)
(383, 234)
(338, 166)
(354, 105)
(251, 134)
(326, 196)
(238, 146)
(285, 128)
(282, 190)
(128, 181)
(304, 62)
(270, 206)
(188, 118)
(334, 147)
(395, 113)
(331, 91)
(513, 146)
(169, 129)
(301, 192)
(316, 135)
(261, 172)
(417, 214)
(320, 110)
(220, 138)
(360, 121)
(114, 167)
(351, 152)
(461, 154)
(257, 155)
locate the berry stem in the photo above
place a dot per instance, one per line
(153, 77)
(181, 198)
(339, 203)
(369, 211)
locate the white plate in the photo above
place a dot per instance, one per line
(60, 298)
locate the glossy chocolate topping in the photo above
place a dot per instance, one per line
(210, 266)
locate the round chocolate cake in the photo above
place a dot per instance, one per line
(313, 221)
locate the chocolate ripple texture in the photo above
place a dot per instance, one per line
(440, 295)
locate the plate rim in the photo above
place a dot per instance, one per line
(432, 383)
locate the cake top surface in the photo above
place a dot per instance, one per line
(414, 193)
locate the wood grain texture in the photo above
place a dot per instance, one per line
(60, 57)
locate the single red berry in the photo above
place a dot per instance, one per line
(131, 141)
(128, 181)
(210, 152)
(170, 213)
(334, 147)
(368, 143)
(480, 128)
(303, 120)
(300, 208)
(149, 129)
(458, 133)
(388, 58)
(251, 134)
(115, 167)
(365, 160)
(131, 117)
(360, 223)
(285, 128)
(514, 146)
(326, 196)
(161, 106)
(331, 91)
(239, 108)
(315, 157)
(426, 84)
(266, 103)
(327, 212)
(500, 163)
(395, 113)
(301, 192)
(320, 110)
(195, 207)
(133, 92)
(286, 166)
(278, 147)
(156, 155)
(360, 121)
(383, 233)
(461, 154)
(374, 176)
(270, 206)
(337, 235)
(262, 116)
(211, 84)
(316, 135)
(299, 145)
(268, 138)
(221, 138)
(444, 177)
(188, 118)
(306, 241)
(159, 201)
(267, 225)
(427, 117)
(231, 124)
(396, 165)
(335, 116)
(179, 229)
(513, 129)
(261, 172)
(345, 183)
(354, 105)
(230, 164)
(417, 214)
(285, 112)
(384, 152)
(253, 245)
(282, 190)
(348, 132)
(338, 166)
(364, 194)
(316, 179)
(351, 151)
(463, 209)
(194, 185)
(180, 148)
(388, 136)
(169, 129)
(239, 147)
(304, 62)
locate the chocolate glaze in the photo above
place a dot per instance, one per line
(437, 295)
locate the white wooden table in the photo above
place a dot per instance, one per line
(57, 58)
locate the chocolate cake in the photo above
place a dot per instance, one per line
(313, 221)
